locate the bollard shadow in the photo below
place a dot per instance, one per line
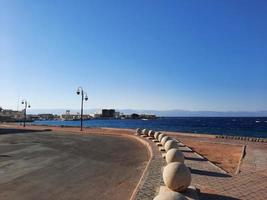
(195, 159)
(208, 173)
(4, 156)
(186, 151)
(208, 196)
(4, 131)
(190, 193)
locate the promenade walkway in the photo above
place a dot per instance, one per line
(67, 165)
(214, 184)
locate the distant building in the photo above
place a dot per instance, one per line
(85, 117)
(117, 115)
(69, 117)
(108, 113)
(97, 115)
(11, 115)
(46, 116)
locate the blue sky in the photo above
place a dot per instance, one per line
(192, 55)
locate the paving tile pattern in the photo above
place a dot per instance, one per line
(149, 187)
(214, 184)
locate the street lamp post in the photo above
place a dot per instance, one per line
(84, 97)
(27, 105)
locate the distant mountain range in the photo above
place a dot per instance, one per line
(163, 113)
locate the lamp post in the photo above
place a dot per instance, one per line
(84, 97)
(25, 110)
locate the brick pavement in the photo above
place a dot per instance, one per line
(250, 183)
(153, 180)
(149, 187)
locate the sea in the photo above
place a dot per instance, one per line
(236, 126)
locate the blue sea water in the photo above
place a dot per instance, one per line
(240, 126)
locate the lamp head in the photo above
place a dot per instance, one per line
(86, 98)
(22, 102)
(29, 106)
(78, 91)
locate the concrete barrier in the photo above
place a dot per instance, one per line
(170, 144)
(161, 135)
(145, 132)
(177, 176)
(170, 196)
(138, 131)
(151, 133)
(250, 139)
(156, 135)
(174, 155)
(165, 139)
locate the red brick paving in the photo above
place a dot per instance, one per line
(250, 183)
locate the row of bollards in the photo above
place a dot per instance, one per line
(176, 175)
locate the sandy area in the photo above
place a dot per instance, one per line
(223, 154)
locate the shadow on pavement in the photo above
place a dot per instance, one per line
(4, 131)
(187, 151)
(208, 196)
(195, 159)
(208, 173)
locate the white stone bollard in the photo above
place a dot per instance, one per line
(177, 176)
(161, 135)
(151, 133)
(144, 132)
(174, 155)
(170, 144)
(164, 140)
(156, 135)
(170, 196)
(138, 131)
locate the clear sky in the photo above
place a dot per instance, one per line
(140, 54)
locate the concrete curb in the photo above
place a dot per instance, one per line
(145, 172)
(243, 153)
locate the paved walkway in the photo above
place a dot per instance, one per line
(52, 165)
(149, 187)
(250, 183)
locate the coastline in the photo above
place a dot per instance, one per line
(227, 154)
(239, 127)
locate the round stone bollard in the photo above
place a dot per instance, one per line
(151, 133)
(170, 196)
(174, 155)
(161, 135)
(138, 131)
(156, 135)
(177, 176)
(144, 132)
(170, 144)
(164, 140)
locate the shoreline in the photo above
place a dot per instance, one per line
(172, 133)
(177, 133)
